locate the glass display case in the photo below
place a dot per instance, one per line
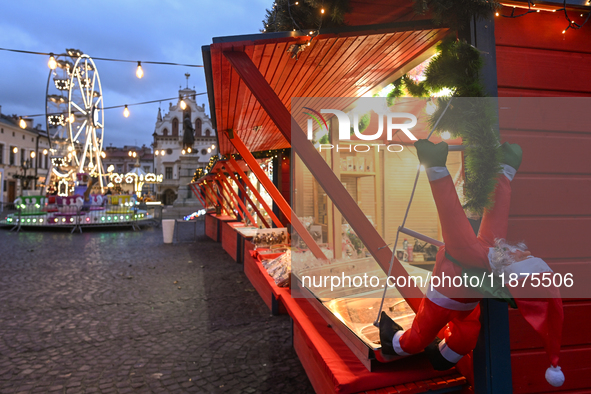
(380, 177)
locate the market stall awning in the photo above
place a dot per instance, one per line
(343, 62)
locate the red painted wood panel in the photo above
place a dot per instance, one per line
(539, 114)
(255, 276)
(532, 365)
(553, 237)
(229, 240)
(551, 195)
(552, 153)
(211, 227)
(512, 91)
(543, 69)
(576, 316)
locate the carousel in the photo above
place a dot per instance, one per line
(76, 192)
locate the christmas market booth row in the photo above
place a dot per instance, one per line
(306, 187)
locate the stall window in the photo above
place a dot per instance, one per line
(168, 173)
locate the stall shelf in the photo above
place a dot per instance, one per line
(243, 235)
(271, 294)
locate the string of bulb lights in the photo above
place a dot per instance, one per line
(126, 113)
(139, 71)
(533, 8)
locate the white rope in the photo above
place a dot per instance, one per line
(406, 216)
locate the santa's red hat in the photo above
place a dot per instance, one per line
(542, 309)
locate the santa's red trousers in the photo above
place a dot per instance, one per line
(460, 335)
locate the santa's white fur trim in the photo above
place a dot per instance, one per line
(508, 171)
(435, 173)
(396, 344)
(554, 376)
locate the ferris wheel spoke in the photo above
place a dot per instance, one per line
(81, 90)
(83, 153)
(91, 88)
(79, 109)
(99, 99)
(79, 131)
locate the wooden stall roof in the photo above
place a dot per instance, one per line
(342, 62)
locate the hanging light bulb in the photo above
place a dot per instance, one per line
(15, 150)
(183, 104)
(22, 123)
(212, 146)
(322, 11)
(139, 72)
(189, 150)
(162, 152)
(103, 155)
(52, 63)
(71, 118)
(45, 151)
(126, 112)
(446, 135)
(208, 150)
(33, 154)
(156, 152)
(183, 152)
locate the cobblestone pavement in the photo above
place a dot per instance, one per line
(118, 311)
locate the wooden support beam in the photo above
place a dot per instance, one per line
(236, 198)
(208, 198)
(243, 190)
(197, 193)
(218, 200)
(221, 190)
(277, 197)
(233, 204)
(256, 193)
(333, 187)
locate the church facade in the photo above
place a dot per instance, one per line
(184, 140)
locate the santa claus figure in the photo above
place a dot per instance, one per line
(455, 308)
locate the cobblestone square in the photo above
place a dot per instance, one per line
(118, 311)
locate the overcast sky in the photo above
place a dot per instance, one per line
(148, 30)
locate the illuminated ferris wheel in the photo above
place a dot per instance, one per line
(75, 117)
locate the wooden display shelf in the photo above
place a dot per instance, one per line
(263, 283)
(358, 173)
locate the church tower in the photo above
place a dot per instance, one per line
(184, 140)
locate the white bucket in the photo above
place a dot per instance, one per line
(168, 230)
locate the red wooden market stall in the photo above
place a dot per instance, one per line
(251, 83)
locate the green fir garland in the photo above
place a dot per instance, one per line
(456, 14)
(288, 15)
(457, 67)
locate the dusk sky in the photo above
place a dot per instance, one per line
(148, 30)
